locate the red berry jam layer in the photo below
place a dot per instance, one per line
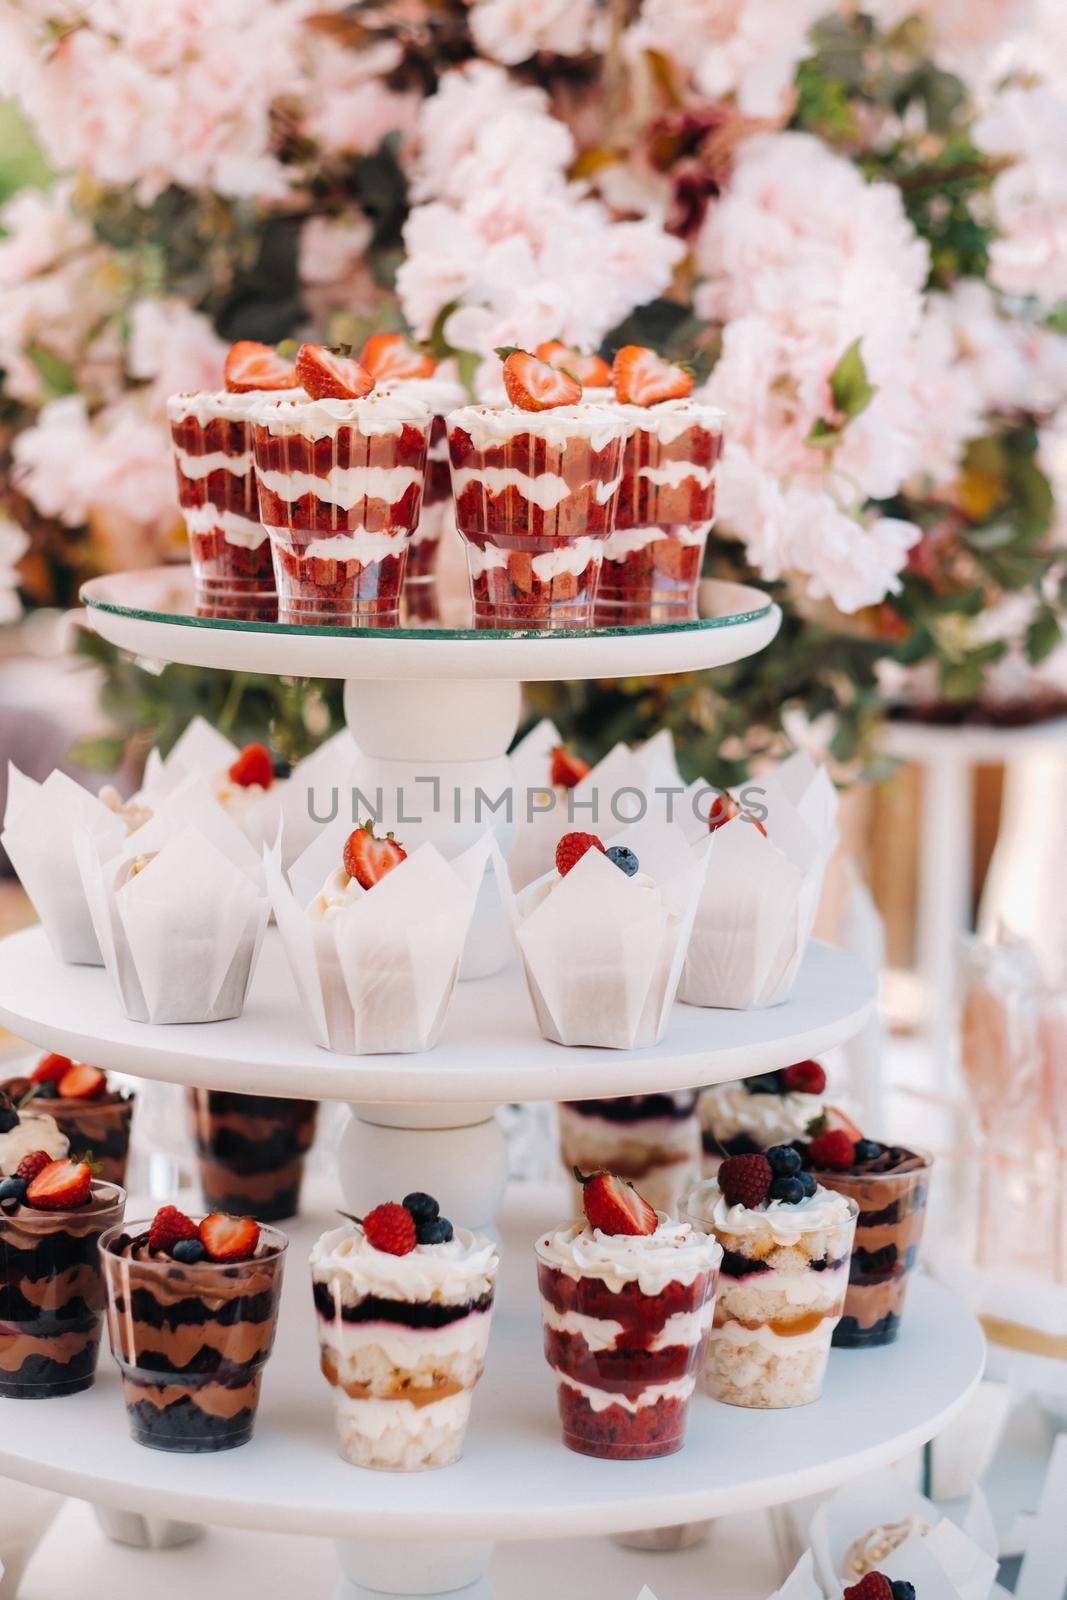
(615, 1433)
(891, 1194)
(251, 1151)
(668, 469)
(651, 574)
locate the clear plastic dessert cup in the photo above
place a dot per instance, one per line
(340, 491)
(781, 1292)
(626, 1322)
(251, 1151)
(437, 519)
(99, 1127)
(191, 1339)
(535, 495)
(228, 545)
(651, 1140)
(402, 1342)
(52, 1295)
(652, 559)
(892, 1210)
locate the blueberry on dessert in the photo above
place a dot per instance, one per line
(52, 1214)
(652, 1140)
(626, 1302)
(192, 1311)
(786, 1244)
(889, 1185)
(404, 1301)
(91, 1113)
(754, 1113)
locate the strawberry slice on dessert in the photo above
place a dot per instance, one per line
(567, 769)
(250, 365)
(642, 378)
(592, 372)
(254, 765)
(368, 859)
(60, 1186)
(229, 1238)
(390, 357)
(724, 808)
(82, 1082)
(51, 1068)
(614, 1206)
(534, 385)
(330, 375)
(169, 1227)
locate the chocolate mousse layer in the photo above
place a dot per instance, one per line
(251, 1151)
(891, 1194)
(52, 1295)
(191, 1340)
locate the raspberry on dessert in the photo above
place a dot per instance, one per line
(51, 1068)
(329, 375)
(572, 848)
(642, 378)
(389, 356)
(368, 859)
(804, 1077)
(82, 1082)
(250, 365)
(169, 1227)
(229, 1238)
(567, 769)
(591, 371)
(254, 765)
(874, 1586)
(60, 1186)
(614, 1206)
(833, 1150)
(391, 1228)
(534, 385)
(31, 1165)
(745, 1180)
(623, 857)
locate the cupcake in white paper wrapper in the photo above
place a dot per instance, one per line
(41, 823)
(760, 897)
(375, 967)
(602, 951)
(179, 916)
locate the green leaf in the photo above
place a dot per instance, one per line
(100, 754)
(56, 374)
(505, 350)
(824, 435)
(849, 384)
(437, 343)
(1043, 635)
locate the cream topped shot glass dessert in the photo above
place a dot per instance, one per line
(786, 1246)
(651, 1140)
(627, 1298)
(750, 1115)
(404, 1303)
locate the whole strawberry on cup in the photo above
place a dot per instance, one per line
(627, 1300)
(192, 1313)
(52, 1215)
(93, 1115)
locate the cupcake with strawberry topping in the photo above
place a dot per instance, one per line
(752, 1114)
(627, 1299)
(192, 1313)
(786, 1243)
(536, 484)
(340, 479)
(652, 559)
(250, 790)
(91, 1113)
(404, 1302)
(53, 1212)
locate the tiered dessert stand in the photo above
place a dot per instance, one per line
(444, 704)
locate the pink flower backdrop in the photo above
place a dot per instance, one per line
(851, 220)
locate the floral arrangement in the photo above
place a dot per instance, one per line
(851, 220)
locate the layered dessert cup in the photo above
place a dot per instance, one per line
(228, 545)
(653, 557)
(535, 497)
(437, 518)
(250, 1151)
(90, 1112)
(889, 1187)
(752, 1114)
(626, 1316)
(653, 1140)
(191, 1337)
(340, 492)
(51, 1284)
(783, 1280)
(403, 1332)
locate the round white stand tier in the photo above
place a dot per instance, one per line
(516, 1480)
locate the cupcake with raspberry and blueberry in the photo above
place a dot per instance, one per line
(786, 1243)
(192, 1313)
(749, 1116)
(876, 1586)
(52, 1215)
(93, 1114)
(627, 1298)
(404, 1303)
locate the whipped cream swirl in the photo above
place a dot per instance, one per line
(707, 1206)
(675, 1253)
(451, 1274)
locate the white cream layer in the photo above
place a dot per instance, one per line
(781, 1343)
(405, 1347)
(196, 467)
(670, 418)
(673, 473)
(343, 486)
(549, 564)
(440, 394)
(788, 1224)
(602, 1333)
(492, 425)
(366, 548)
(381, 415)
(235, 529)
(207, 405)
(624, 541)
(675, 1253)
(547, 490)
(602, 1399)
(374, 1418)
(451, 1274)
(767, 1119)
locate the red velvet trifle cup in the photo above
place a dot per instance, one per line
(535, 494)
(437, 517)
(652, 559)
(627, 1300)
(340, 490)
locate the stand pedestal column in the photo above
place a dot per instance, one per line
(376, 1568)
(456, 1153)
